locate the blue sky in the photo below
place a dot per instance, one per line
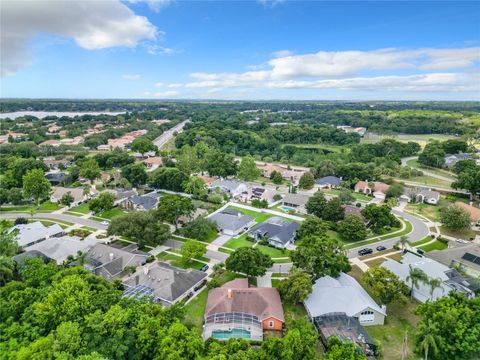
(295, 50)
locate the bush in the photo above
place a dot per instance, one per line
(21, 220)
(214, 283)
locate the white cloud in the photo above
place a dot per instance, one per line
(282, 53)
(155, 49)
(155, 5)
(131, 77)
(174, 86)
(270, 3)
(159, 85)
(92, 25)
(358, 70)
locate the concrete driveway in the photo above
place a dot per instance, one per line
(222, 239)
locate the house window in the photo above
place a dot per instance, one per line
(270, 324)
(367, 312)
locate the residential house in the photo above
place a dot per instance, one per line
(60, 248)
(378, 190)
(328, 182)
(54, 128)
(141, 202)
(231, 221)
(278, 231)
(54, 164)
(451, 279)
(122, 195)
(51, 142)
(354, 210)
(56, 178)
(464, 256)
(110, 262)
(343, 295)
(32, 233)
(289, 173)
(472, 210)
(428, 196)
(296, 202)
(261, 193)
(452, 159)
(236, 310)
(77, 193)
(208, 180)
(162, 282)
(153, 162)
(232, 187)
(77, 140)
(349, 129)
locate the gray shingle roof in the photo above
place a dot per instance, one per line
(230, 219)
(34, 232)
(277, 229)
(329, 180)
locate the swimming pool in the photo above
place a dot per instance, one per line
(234, 333)
(286, 208)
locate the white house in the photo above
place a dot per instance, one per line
(231, 187)
(32, 233)
(421, 195)
(344, 295)
(451, 280)
(59, 249)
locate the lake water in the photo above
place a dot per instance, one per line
(42, 114)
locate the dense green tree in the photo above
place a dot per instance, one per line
(333, 210)
(143, 145)
(141, 227)
(296, 287)
(455, 218)
(432, 155)
(379, 217)
(90, 169)
(312, 225)
(320, 256)
(35, 185)
(307, 181)
(103, 202)
(346, 197)
(469, 180)
(453, 323)
(171, 207)
(276, 177)
(67, 199)
(247, 170)
(136, 174)
(316, 204)
(385, 285)
(454, 146)
(21, 167)
(395, 190)
(248, 261)
(343, 350)
(464, 165)
(195, 186)
(201, 229)
(221, 164)
(168, 178)
(352, 228)
(192, 250)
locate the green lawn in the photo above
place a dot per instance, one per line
(423, 241)
(436, 245)
(177, 261)
(427, 180)
(357, 196)
(259, 217)
(272, 252)
(239, 242)
(415, 164)
(82, 208)
(46, 206)
(109, 214)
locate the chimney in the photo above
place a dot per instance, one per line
(111, 256)
(145, 270)
(229, 294)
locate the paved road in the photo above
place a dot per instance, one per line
(60, 217)
(169, 134)
(419, 231)
(425, 171)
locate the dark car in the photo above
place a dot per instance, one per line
(365, 251)
(381, 248)
(420, 251)
(204, 268)
(199, 286)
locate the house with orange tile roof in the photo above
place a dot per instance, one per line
(473, 211)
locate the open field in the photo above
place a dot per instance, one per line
(415, 164)
(427, 181)
(422, 139)
(326, 147)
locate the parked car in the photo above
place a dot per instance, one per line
(381, 248)
(199, 286)
(365, 251)
(104, 222)
(204, 268)
(420, 251)
(190, 294)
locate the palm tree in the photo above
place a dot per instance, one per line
(416, 275)
(403, 241)
(428, 338)
(6, 269)
(434, 283)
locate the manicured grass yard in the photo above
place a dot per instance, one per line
(239, 242)
(109, 214)
(242, 241)
(46, 206)
(272, 252)
(436, 245)
(466, 234)
(423, 241)
(82, 208)
(177, 261)
(258, 216)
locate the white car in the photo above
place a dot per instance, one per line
(105, 222)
